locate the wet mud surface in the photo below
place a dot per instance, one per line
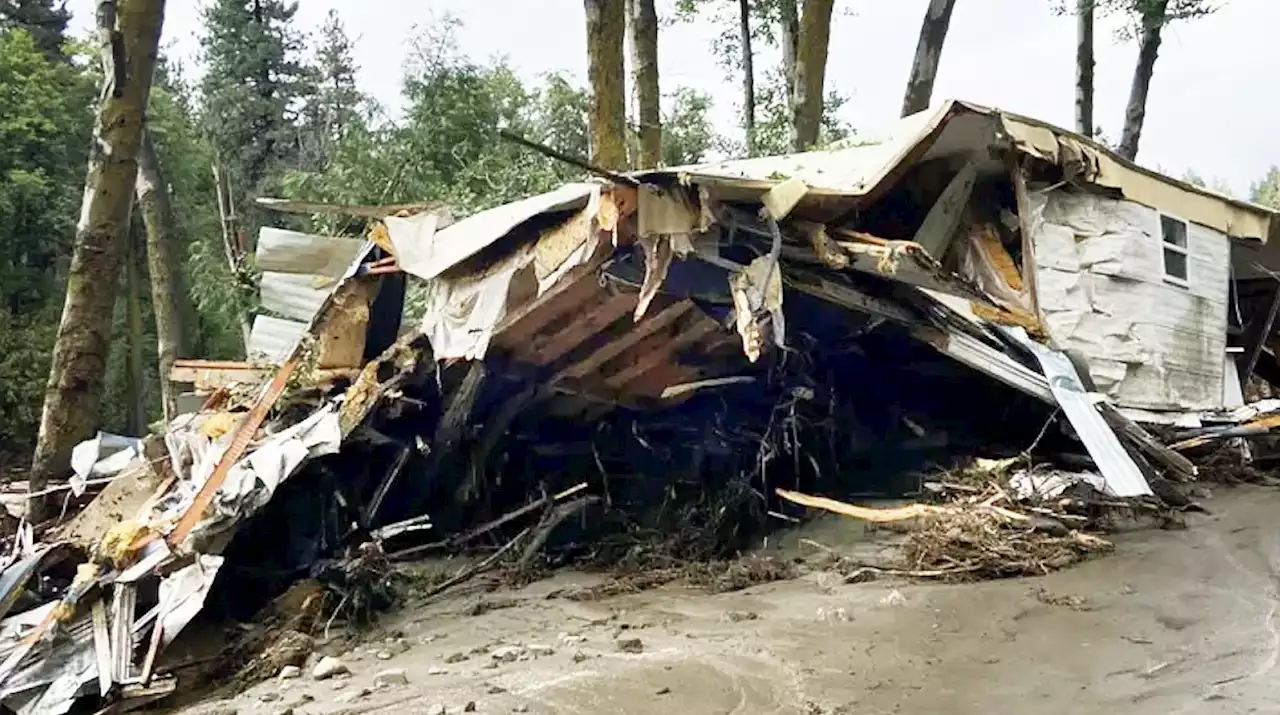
(1173, 622)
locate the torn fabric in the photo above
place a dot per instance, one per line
(462, 313)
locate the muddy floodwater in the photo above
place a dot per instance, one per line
(1173, 622)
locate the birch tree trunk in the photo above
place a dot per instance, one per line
(924, 69)
(811, 69)
(1084, 67)
(128, 36)
(748, 77)
(606, 32)
(169, 300)
(789, 37)
(644, 41)
(1153, 20)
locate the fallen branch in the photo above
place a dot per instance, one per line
(486, 528)
(548, 524)
(469, 572)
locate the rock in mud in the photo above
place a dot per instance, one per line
(539, 649)
(740, 616)
(391, 678)
(353, 695)
(329, 667)
(221, 707)
(437, 670)
(437, 710)
(894, 599)
(629, 645)
(289, 672)
(506, 654)
(470, 707)
(457, 657)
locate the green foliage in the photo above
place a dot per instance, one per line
(1266, 191)
(44, 140)
(773, 118)
(687, 133)
(45, 20)
(253, 88)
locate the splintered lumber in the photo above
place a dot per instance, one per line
(900, 513)
(1146, 442)
(879, 516)
(1258, 426)
(244, 435)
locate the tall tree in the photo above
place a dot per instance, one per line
(748, 77)
(252, 89)
(46, 20)
(1150, 18)
(336, 103)
(169, 300)
(924, 68)
(643, 26)
(606, 31)
(811, 70)
(789, 38)
(1084, 67)
(128, 36)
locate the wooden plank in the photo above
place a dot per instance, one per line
(244, 435)
(574, 277)
(536, 313)
(643, 361)
(1144, 441)
(935, 233)
(610, 350)
(102, 646)
(211, 375)
(1019, 178)
(546, 348)
(123, 606)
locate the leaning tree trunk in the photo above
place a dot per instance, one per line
(789, 36)
(748, 77)
(811, 68)
(135, 371)
(1084, 68)
(924, 69)
(128, 35)
(606, 31)
(169, 300)
(1153, 18)
(644, 41)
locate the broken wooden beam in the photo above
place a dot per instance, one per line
(1143, 440)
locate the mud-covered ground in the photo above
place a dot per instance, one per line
(1174, 621)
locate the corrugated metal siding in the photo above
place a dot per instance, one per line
(1100, 270)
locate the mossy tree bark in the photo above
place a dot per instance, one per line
(128, 36)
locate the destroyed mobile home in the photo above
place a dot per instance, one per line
(680, 355)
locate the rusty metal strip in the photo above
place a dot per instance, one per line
(615, 348)
(244, 435)
(545, 349)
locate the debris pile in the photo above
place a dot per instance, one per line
(649, 374)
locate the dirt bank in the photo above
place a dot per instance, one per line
(1174, 621)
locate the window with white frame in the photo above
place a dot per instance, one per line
(1173, 238)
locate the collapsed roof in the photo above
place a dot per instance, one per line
(633, 296)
